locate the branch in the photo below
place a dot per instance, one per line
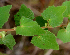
(15, 28)
(7, 30)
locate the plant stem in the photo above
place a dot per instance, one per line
(15, 28)
(7, 30)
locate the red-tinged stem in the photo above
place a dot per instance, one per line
(7, 30)
(14, 29)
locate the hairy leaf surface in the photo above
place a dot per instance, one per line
(67, 11)
(54, 15)
(9, 41)
(23, 11)
(45, 41)
(4, 14)
(28, 27)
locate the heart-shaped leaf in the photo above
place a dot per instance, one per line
(23, 11)
(45, 41)
(54, 15)
(28, 27)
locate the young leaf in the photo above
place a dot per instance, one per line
(45, 41)
(67, 11)
(41, 21)
(54, 15)
(2, 34)
(9, 41)
(28, 27)
(64, 34)
(23, 11)
(4, 14)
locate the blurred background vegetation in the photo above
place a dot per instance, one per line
(23, 45)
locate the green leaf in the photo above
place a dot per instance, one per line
(40, 21)
(54, 15)
(67, 11)
(4, 14)
(64, 34)
(23, 11)
(28, 27)
(45, 41)
(9, 41)
(1, 42)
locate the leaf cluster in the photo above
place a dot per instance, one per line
(44, 39)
